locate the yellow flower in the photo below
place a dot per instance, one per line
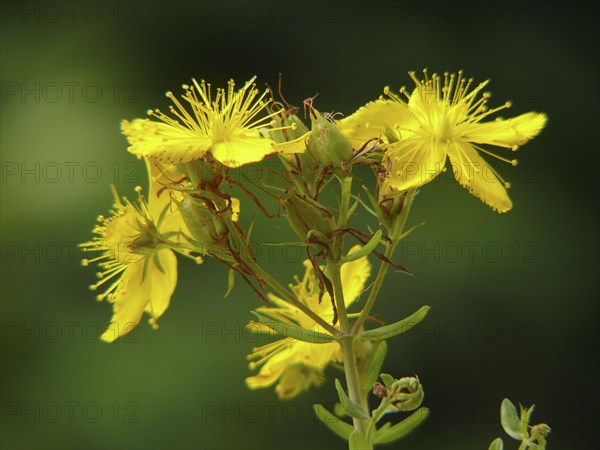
(227, 126)
(443, 117)
(134, 258)
(294, 364)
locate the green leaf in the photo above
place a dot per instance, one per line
(364, 205)
(396, 328)
(496, 444)
(525, 414)
(365, 249)
(349, 406)
(407, 232)
(294, 331)
(339, 427)
(388, 380)
(352, 208)
(398, 431)
(376, 209)
(358, 441)
(230, 282)
(371, 366)
(510, 420)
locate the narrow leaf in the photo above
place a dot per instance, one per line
(388, 380)
(230, 282)
(396, 328)
(398, 431)
(365, 249)
(376, 209)
(339, 427)
(294, 331)
(349, 406)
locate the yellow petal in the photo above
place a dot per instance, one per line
(163, 283)
(164, 142)
(271, 371)
(297, 145)
(158, 197)
(354, 276)
(371, 120)
(297, 379)
(242, 149)
(414, 162)
(129, 302)
(506, 133)
(473, 173)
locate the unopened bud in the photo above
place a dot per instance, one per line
(203, 224)
(406, 394)
(305, 214)
(327, 143)
(541, 429)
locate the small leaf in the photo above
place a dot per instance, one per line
(365, 249)
(372, 365)
(376, 208)
(496, 444)
(388, 380)
(352, 208)
(349, 406)
(510, 420)
(339, 427)
(358, 441)
(230, 282)
(525, 414)
(396, 328)
(398, 431)
(294, 331)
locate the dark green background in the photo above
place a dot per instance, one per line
(521, 323)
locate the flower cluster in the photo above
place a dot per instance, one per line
(193, 207)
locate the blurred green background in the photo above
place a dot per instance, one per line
(513, 297)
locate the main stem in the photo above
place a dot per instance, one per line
(347, 338)
(348, 350)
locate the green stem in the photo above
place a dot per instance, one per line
(347, 339)
(395, 234)
(389, 251)
(348, 351)
(353, 381)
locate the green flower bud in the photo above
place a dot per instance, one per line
(540, 430)
(327, 144)
(305, 214)
(205, 226)
(406, 394)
